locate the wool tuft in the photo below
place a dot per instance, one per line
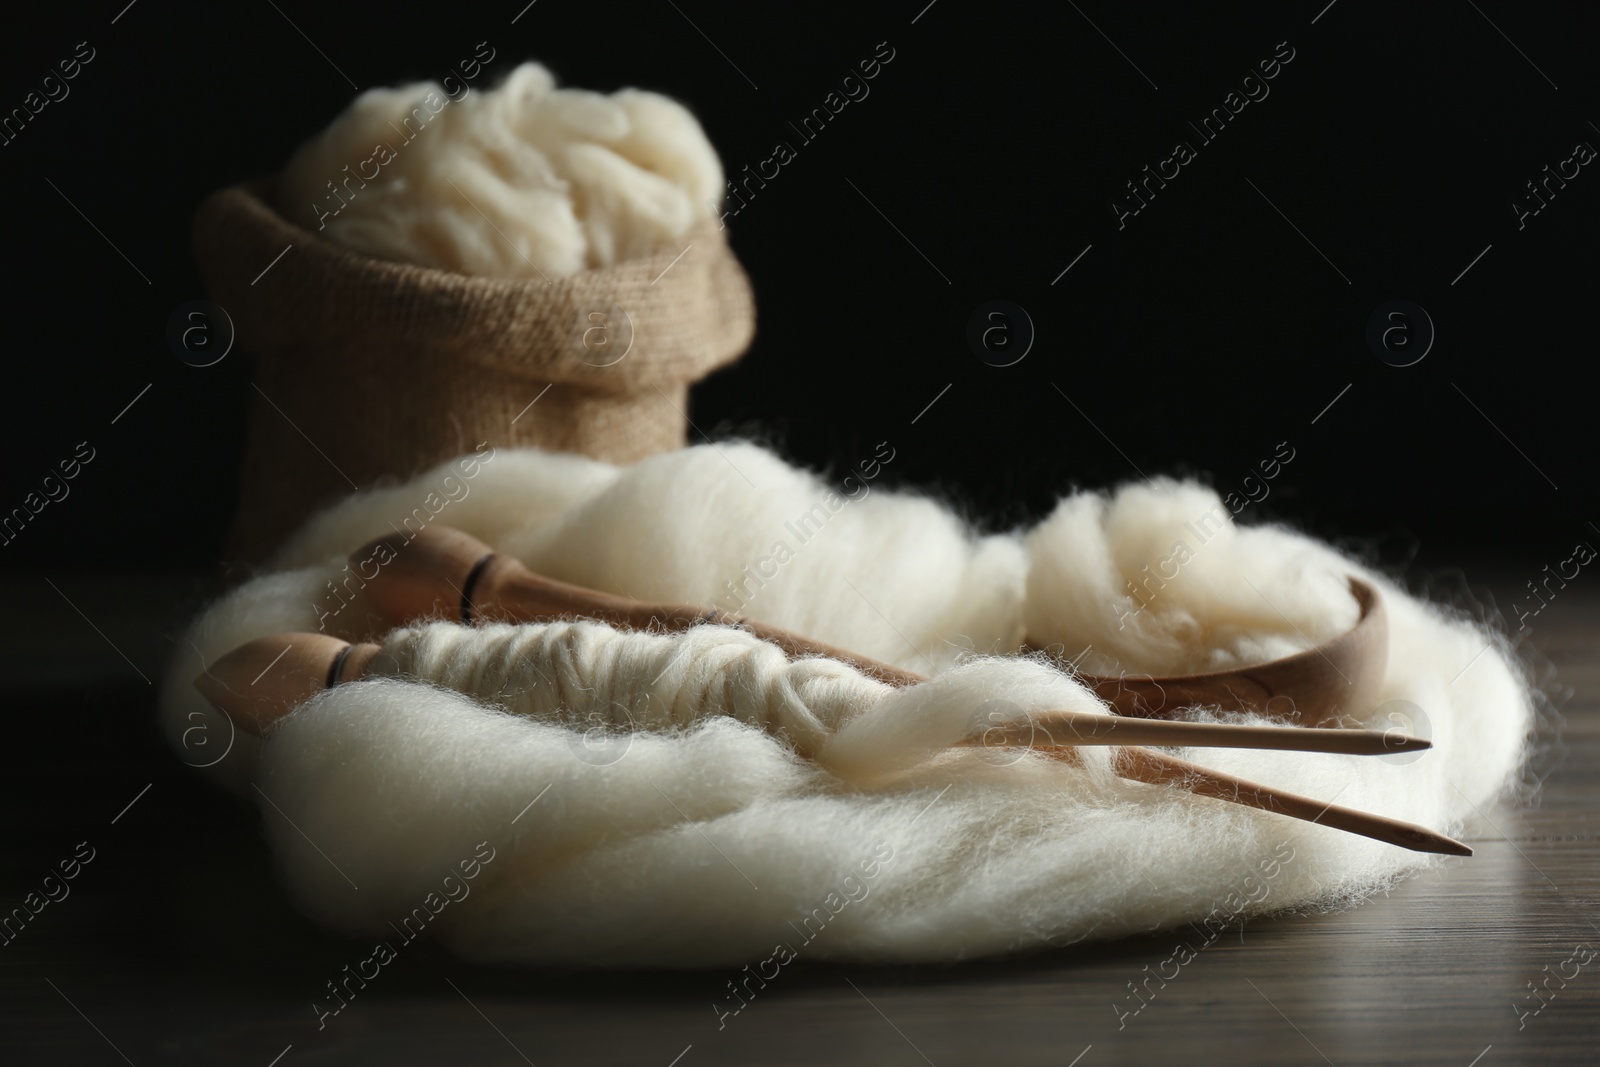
(523, 180)
(695, 799)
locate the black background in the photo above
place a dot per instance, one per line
(1195, 339)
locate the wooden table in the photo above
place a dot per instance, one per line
(176, 946)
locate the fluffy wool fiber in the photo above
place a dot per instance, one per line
(520, 181)
(750, 801)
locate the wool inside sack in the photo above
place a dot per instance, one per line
(522, 180)
(715, 839)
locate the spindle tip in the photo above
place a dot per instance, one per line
(1424, 840)
(1395, 742)
(261, 681)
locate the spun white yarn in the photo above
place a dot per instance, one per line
(592, 676)
(700, 840)
(589, 675)
(523, 180)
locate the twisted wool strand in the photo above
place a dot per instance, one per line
(588, 674)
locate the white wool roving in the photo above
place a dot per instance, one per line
(523, 180)
(699, 800)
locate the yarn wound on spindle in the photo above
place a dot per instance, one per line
(586, 673)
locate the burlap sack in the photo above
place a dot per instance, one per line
(368, 370)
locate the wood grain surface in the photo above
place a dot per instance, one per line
(176, 945)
